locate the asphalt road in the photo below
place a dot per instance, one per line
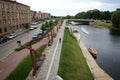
(9, 46)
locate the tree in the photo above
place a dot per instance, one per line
(105, 15)
(116, 19)
(118, 9)
(81, 15)
(51, 23)
(43, 27)
(46, 25)
(95, 14)
(56, 22)
(26, 25)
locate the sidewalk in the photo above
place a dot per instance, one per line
(49, 68)
(8, 64)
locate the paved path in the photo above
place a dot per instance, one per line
(50, 66)
(9, 63)
(97, 72)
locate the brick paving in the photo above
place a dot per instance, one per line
(8, 64)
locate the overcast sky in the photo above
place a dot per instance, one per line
(70, 7)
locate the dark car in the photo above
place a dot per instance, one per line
(35, 36)
(3, 39)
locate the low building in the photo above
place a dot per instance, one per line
(42, 15)
(14, 16)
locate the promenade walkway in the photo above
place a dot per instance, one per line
(49, 68)
(97, 72)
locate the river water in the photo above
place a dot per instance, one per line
(107, 46)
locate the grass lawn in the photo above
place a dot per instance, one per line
(73, 65)
(24, 67)
(102, 24)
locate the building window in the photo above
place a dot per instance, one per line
(0, 30)
(9, 22)
(4, 21)
(5, 29)
(2, 5)
(8, 13)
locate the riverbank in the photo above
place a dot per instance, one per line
(73, 65)
(97, 72)
(101, 24)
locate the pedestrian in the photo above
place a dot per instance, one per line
(59, 40)
(19, 42)
(79, 40)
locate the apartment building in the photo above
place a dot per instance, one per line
(42, 15)
(33, 14)
(14, 16)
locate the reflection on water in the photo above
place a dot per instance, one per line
(115, 31)
(107, 46)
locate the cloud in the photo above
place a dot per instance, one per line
(67, 5)
(70, 6)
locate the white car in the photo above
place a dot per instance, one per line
(11, 36)
(31, 28)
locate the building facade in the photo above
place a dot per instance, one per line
(42, 15)
(14, 16)
(33, 14)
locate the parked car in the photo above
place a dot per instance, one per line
(31, 28)
(3, 39)
(11, 36)
(40, 32)
(35, 36)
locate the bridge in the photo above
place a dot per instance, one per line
(81, 21)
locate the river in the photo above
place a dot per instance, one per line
(107, 46)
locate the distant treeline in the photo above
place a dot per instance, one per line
(93, 14)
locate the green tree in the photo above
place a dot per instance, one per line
(105, 15)
(51, 23)
(26, 25)
(43, 27)
(46, 24)
(118, 9)
(116, 19)
(56, 22)
(81, 15)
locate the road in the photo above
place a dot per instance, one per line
(9, 46)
